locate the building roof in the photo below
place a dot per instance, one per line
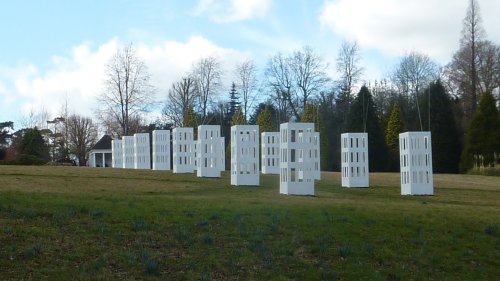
(103, 143)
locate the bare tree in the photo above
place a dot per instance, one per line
(280, 81)
(181, 96)
(35, 118)
(82, 135)
(348, 66)
(472, 33)
(246, 74)
(128, 91)
(207, 74)
(413, 72)
(309, 73)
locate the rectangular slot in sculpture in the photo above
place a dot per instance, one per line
(296, 166)
(161, 150)
(270, 155)
(415, 152)
(209, 151)
(354, 157)
(183, 150)
(245, 155)
(142, 156)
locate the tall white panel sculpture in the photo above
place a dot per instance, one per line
(245, 155)
(142, 156)
(117, 153)
(183, 150)
(415, 152)
(161, 150)
(270, 156)
(354, 159)
(209, 151)
(128, 152)
(296, 168)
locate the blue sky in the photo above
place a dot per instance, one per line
(56, 50)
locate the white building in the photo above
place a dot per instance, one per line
(270, 156)
(101, 154)
(117, 152)
(142, 156)
(415, 151)
(128, 152)
(355, 172)
(161, 150)
(296, 167)
(245, 155)
(183, 150)
(209, 150)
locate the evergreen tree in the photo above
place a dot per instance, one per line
(265, 121)
(233, 102)
(238, 118)
(33, 146)
(363, 118)
(482, 147)
(443, 127)
(395, 126)
(311, 115)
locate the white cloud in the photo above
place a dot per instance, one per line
(79, 75)
(395, 27)
(227, 11)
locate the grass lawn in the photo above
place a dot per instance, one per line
(69, 223)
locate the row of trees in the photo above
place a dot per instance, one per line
(62, 140)
(417, 95)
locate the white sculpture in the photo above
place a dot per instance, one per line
(209, 151)
(142, 156)
(296, 167)
(270, 153)
(245, 155)
(128, 152)
(355, 172)
(161, 150)
(415, 151)
(183, 150)
(117, 152)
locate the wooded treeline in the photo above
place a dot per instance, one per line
(457, 102)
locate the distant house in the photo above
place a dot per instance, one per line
(101, 154)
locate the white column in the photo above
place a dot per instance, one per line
(415, 152)
(161, 150)
(270, 156)
(209, 151)
(296, 167)
(354, 157)
(142, 157)
(117, 153)
(128, 152)
(183, 150)
(245, 155)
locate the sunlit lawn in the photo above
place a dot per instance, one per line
(69, 223)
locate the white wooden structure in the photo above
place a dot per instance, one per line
(415, 152)
(142, 156)
(117, 152)
(270, 156)
(209, 151)
(245, 155)
(161, 150)
(101, 154)
(354, 157)
(183, 160)
(128, 152)
(296, 167)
